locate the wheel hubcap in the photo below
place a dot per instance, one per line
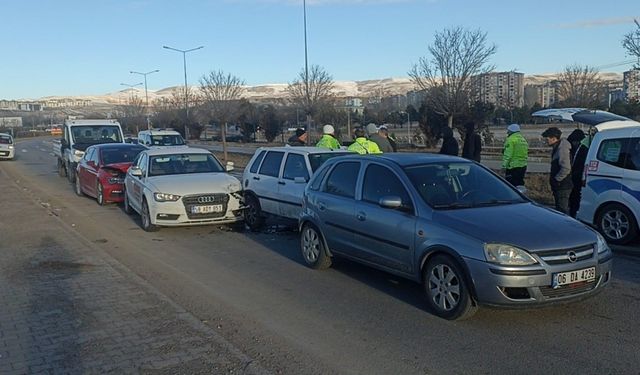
(310, 245)
(145, 216)
(444, 287)
(615, 224)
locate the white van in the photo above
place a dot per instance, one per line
(611, 184)
(7, 148)
(160, 138)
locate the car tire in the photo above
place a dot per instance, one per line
(313, 249)
(70, 174)
(78, 186)
(253, 213)
(100, 194)
(446, 289)
(617, 224)
(62, 172)
(127, 206)
(145, 217)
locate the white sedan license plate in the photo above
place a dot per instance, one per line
(571, 277)
(206, 209)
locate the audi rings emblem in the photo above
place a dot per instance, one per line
(572, 256)
(206, 199)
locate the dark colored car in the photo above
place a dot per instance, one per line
(453, 225)
(100, 173)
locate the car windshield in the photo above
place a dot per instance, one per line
(119, 155)
(5, 140)
(167, 140)
(184, 164)
(460, 185)
(316, 160)
(96, 134)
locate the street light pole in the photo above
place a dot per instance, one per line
(130, 88)
(186, 104)
(146, 94)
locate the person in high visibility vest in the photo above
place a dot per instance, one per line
(328, 139)
(362, 145)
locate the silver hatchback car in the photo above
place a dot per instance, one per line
(467, 235)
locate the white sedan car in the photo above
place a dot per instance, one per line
(182, 186)
(7, 148)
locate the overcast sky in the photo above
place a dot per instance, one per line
(85, 47)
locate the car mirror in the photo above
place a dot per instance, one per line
(135, 171)
(230, 166)
(390, 201)
(64, 143)
(300, 180)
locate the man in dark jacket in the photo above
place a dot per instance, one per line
(579, 151)
(449, 144)
(560, 176)
(298, 139)
(472, 143)
(375, 135)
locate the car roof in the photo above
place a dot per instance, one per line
(613, 125)
(7, 134)
(159, 132)
(404, 159)
(117, 145)
(170, 150)
(303, 149)
(623, 131)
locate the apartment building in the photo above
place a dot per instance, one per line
(502, 89)
(631, 84)
(545, 95)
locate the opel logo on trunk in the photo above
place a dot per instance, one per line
(207, 199)
(572, 256)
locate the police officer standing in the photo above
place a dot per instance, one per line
(328, 139)
(362, 145)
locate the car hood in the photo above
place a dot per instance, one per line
(195, 183)
(122, 167)
(528, 226)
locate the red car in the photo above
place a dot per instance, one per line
(100, 173)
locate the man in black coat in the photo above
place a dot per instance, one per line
(560, 176)
(579, 153)
(472, 143)
(449, 144)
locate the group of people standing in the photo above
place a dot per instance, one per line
(567, 155)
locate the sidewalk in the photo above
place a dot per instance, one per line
(68, 307)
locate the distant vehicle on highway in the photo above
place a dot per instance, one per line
(77, 136)
(275, 179)
(100, 173)
(468, 236)
(160, 138)
(180, 186)
(611, 175)
(7, 148)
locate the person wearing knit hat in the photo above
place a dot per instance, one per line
(515, 156)
(328, 139)
(378, 135)
(560, 176)
(579, 151)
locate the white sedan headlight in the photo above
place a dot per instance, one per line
(162, 197)
(601, 245)
(11, 147)
(507, 255)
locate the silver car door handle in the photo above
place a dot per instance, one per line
(361, 216)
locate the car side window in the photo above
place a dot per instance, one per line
(295, 166)
(88, 154)
(381, 182)
(632, 155)
(613, 151)
(257, 161)
(271, 164)
(142, 164)
(317, 179)
(342, 179)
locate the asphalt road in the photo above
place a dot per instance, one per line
(256, 292)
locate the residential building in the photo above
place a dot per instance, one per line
(546, 94)
(502, 89)
(631, 84)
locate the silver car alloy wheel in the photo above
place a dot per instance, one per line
(310, 245)
(615, 224)
(146, 220)
(444, 286)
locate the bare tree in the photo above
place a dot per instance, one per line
(456, 56)
(310, 91)
(132, 114)
(221, 94)
(631, 42)
(580, 86)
